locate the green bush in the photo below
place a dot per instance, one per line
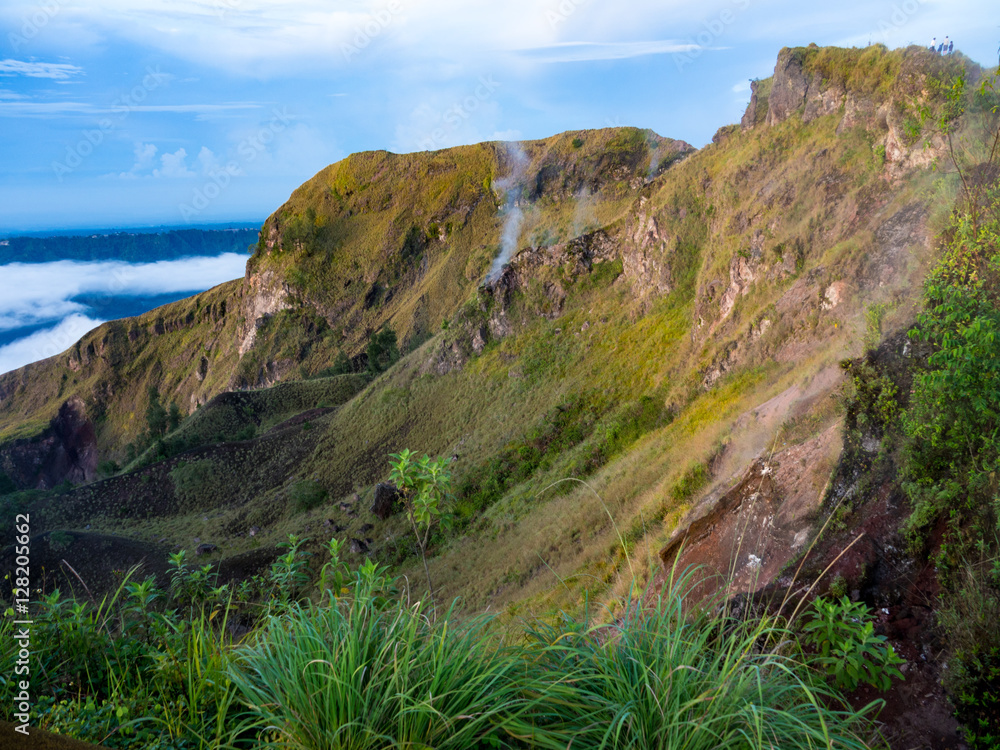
(306, 494)
(363, 672)
(366, 668)
(848, 649)
(366, 671)
(383, 351)
(664, 677)
(694, 478)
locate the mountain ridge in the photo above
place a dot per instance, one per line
(649, 280)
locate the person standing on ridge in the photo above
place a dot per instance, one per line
(951, 46)
(934, 44)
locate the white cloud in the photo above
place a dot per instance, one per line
(208, 161)
(174, 165)
(61, 108)
(47, 343)
(741, 87)
(263, 39)
(38, 69)
(583, 51)
(144, 155)
(35, 293)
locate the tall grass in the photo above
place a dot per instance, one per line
(663, 677)
(366, 669)
(367, 673)
(370, 673)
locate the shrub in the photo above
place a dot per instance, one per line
(848, 649)
(306, 494)
(363, 672)
(383, 351)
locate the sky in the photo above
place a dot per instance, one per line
(125, 113)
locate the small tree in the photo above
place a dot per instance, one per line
(174, 416)
(383, 351)
(425, 486)
(342, 364)
(156, 415)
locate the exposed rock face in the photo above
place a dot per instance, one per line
(794, 89)
(750, 117)
(358, 547)
(789, 88)
(644, 257)
(264, 295)
(750, 532)
(66, 451)
(386, 498)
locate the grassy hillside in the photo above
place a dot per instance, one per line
(623, 358)
(375, 239)
(668, 324)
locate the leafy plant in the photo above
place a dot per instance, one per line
(848, 650)
(190, 585)
(425, 486)
(290, 572)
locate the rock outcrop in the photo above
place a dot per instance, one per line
(65, 452)
(386, 500)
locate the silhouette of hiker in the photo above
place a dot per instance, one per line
(951, 46)
(934, 44)
(944, 46)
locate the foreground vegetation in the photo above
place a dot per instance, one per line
(363, 666)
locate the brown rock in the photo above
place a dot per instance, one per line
(386, 500)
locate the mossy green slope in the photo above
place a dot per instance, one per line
(618, 348)
(376, 238)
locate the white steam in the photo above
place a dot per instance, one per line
(512, 185)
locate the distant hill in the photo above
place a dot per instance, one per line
(134, 247)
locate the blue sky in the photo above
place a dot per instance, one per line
(146, 112)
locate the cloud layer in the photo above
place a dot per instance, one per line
(36, 293)
(46, 343)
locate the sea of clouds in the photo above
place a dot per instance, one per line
(54, 304)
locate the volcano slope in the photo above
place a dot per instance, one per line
(666, 317)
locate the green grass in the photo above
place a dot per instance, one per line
(365, 667)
